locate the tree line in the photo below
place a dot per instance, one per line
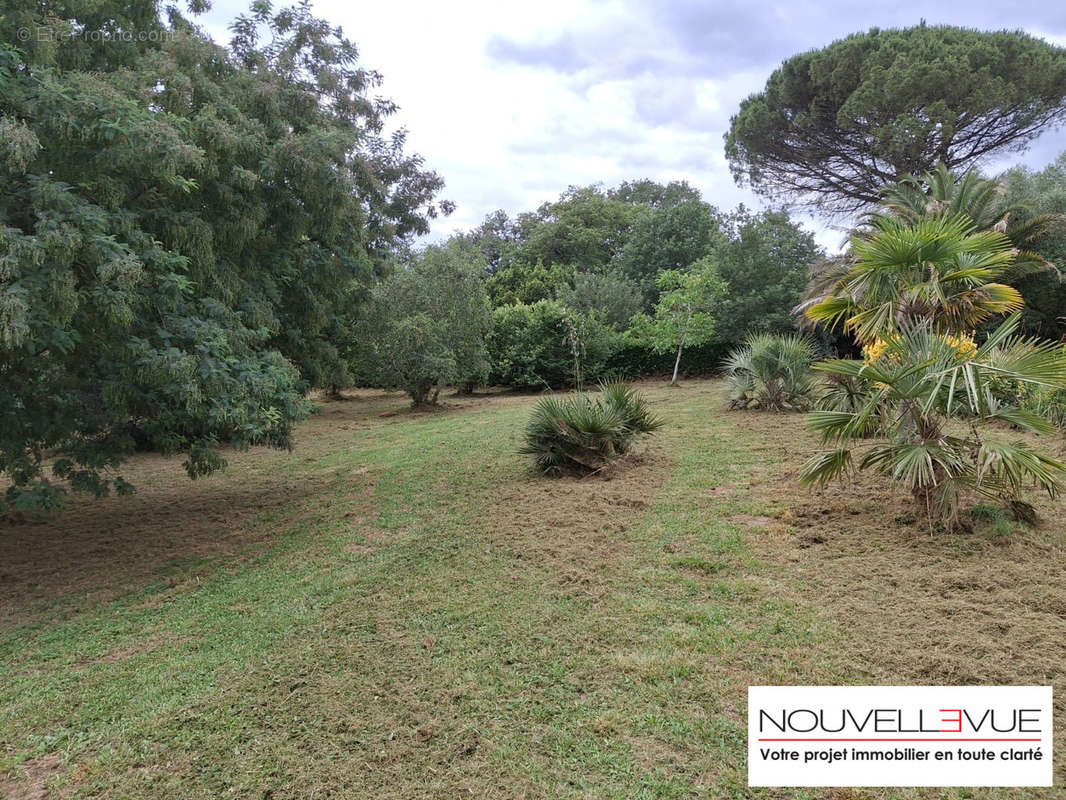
(193, 236)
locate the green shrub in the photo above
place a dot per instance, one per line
(425, 326)
(531, 346)
(583, 433)
(772, 372)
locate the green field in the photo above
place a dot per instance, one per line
(398, 608)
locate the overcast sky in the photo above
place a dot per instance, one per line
(512, 102)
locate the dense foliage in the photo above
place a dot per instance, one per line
(833, 126)
(184, 231)
(684, 313)
(765, 260)
(546, 345)
(651, 263)
(1040, 195)
(938, 269)
(923, 394)
(583, 433)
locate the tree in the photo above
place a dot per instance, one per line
(496, 237)
(426, 325)
(1041, 195)
(983, 201)
(670, 238)
(766, 260)
(939, 270)
(914, 388)
(583, 227)
(615, 298)
(536, 346)
(684, 313)
(519, 282)
(834, 125)
(656, 195)
(185, 232)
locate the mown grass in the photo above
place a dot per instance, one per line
(433, 621)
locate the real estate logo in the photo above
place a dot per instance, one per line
(900, 736)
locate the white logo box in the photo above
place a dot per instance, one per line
(900, 736)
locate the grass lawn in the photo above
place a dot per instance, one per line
(399, 609)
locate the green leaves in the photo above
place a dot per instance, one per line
(936, 268)
(772, 373)
(834, 125)
(186, 234)
(684, 314)
(920, 395)
(426, 325)
(584, 433)
(826, 467)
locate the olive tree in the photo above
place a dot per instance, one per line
(426, 324)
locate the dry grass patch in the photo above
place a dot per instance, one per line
(399, 609)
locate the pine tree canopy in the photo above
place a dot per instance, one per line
(833, 126)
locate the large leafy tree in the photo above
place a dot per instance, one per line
(584, 227)
(1041, 195)
(185, 231)
(834, 125)
(654, 194)
(631, 232)
(766, 261)
(672, 237)
(547, 345)
(611, 296)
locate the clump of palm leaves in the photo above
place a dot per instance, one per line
(940, 269)
(772, 372)
(584, 432)
(943, 192)
(928, 402)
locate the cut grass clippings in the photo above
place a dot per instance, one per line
(400, 609)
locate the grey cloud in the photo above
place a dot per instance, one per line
(557, 137)
(561, 54)
(715, 39)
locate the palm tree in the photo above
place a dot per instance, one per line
(772, 373)
(938, 269)
(944, 192)
(928, 398)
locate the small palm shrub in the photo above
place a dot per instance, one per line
(930, 411)
(585, 433)
(772, 372)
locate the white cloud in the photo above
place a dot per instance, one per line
(595, 91)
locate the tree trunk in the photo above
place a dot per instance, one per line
(677, 361)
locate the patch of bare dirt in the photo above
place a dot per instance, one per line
(30, 780)
(752, 521)
(100, 549)
(143, 647)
